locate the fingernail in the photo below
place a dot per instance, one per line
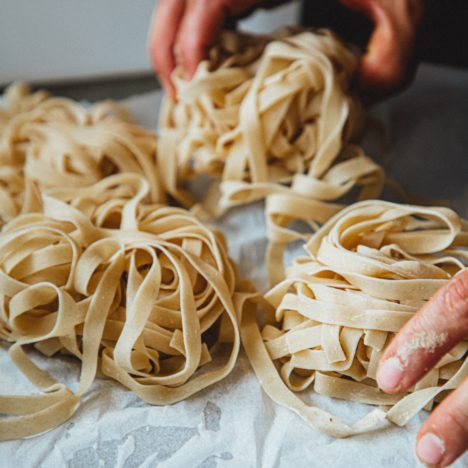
(430, 449)
(389, 374)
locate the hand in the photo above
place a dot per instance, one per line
(389, 63)
(183, 30)
(440, 324)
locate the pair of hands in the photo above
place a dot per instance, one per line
(181, 33)
(183, 30)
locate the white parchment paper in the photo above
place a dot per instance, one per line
(234, 424)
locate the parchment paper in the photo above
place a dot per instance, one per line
(234, 424)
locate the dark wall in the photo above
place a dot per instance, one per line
(443, 36)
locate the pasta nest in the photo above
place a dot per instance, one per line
(369, 270)
(57, 142)
(141, 293)
(271, 117)
(285, 110)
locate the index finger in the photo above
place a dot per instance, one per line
(164, 28)
(200, 27)
(440, 324)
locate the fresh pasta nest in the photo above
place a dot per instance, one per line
(369, 269)
(284, 111)
(270, 121)
(139, 292)
(57, 142)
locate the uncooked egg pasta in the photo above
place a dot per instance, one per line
(368, 271)
(272, 121)
(141, 293)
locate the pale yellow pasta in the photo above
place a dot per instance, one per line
(271, 121)
(94, 264)
(58, 142)
(142, 293)
(369, 269)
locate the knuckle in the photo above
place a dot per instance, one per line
(458, 422)
(455, 296)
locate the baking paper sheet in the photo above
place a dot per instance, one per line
(234, 424)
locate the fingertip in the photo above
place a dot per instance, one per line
(192, 51)
(444, 435)
(169, 88)
(388, 65)
(164, 28)
(390, 375)
(189, 59)
(199, 30)
(430, 449)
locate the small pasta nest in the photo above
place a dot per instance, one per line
(369, 270)
(57, 142)
(141, 293)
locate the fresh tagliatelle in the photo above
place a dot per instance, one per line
(369, 269)
(273, 118)
(54, 142)
(141, 293)
(94, 264)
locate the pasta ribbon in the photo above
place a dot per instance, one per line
(368, 270)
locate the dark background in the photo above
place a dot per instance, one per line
(443, 37)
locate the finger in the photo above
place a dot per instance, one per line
(444, 436)
(388, 63)
(200, 27)
(440, 324)
(163, 34)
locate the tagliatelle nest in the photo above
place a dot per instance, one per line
(273, 121)
(57, 142)
(369, 269)
(139, 292)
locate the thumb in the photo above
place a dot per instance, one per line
(389, 61)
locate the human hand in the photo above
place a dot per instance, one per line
(183, 30)
(389, 62)
(440, 324)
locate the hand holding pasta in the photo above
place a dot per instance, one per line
(370, 268)
(182, 32)
(416, 350)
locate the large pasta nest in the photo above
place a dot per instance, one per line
(369, 269)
